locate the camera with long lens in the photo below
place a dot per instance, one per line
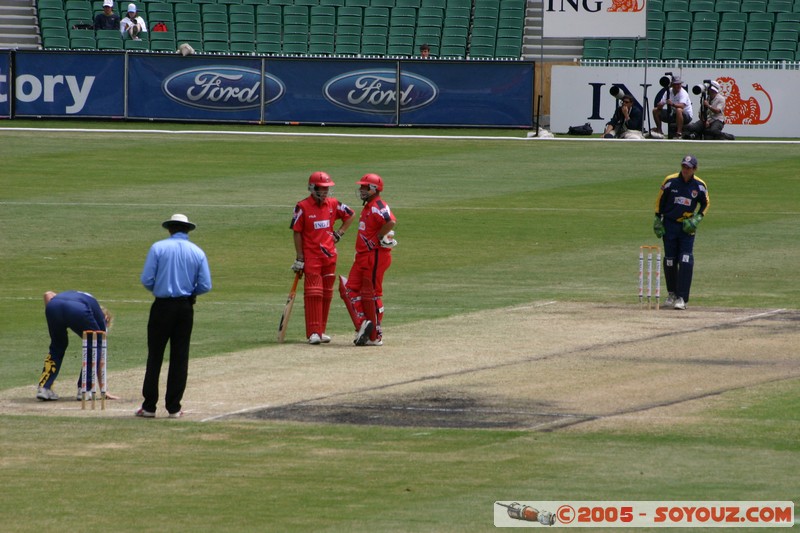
(665, 80)
(616, 92)
(701, 89)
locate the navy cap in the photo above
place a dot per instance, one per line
(689, 161)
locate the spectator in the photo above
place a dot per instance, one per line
(626, 122)
(107, 20)
(132, 25)
(675, 107)
(425, 51)
(712, 115)
(176, 272)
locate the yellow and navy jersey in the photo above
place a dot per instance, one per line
(679, 199)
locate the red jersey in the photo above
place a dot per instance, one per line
(316, 223)
(375, 214)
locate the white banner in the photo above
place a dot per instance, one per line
(759, 103)
(594, 18)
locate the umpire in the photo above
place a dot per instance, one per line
(176, 272)
(681, 204)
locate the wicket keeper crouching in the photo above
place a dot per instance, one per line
(362, 290)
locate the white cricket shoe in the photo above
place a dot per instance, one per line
(325, 338)
(679, 304)
(376, 342)
(363, 333)
(314, 339)
(670, 301)
(46, 395)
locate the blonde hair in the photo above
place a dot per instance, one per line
(108, 316)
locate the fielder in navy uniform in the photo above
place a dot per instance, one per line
(78, 311)
(681, 204)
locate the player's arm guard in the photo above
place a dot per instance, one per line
(658, 227)
(690, 224)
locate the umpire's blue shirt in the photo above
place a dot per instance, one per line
(175, 268)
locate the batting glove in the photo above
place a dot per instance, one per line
(388, 240)
(337, 235)
(298, 266)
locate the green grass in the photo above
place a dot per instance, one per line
(481, 224)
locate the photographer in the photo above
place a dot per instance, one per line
(712, 112)
(674, 107)
(626, 122)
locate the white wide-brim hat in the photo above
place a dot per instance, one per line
(178, 219)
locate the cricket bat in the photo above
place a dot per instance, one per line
(287, 310)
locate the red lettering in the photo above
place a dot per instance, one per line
(660, 516)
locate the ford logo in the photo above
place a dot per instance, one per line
(222, 88)
(376, 91)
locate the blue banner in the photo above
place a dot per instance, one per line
(197, 88)
(5, 85)
(69, 84)
(236, 89)
(335, 92)
(472, 94)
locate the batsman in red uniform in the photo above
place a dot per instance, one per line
(315, 244)
(362, 290)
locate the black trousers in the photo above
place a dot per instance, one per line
(171, 320)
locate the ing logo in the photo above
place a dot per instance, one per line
(627, 6)
(739, 110)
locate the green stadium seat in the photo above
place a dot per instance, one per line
(56, 42)
(595, 53)
(512, 52)
(705, 25)
(356, 3)
(649, 51)
(779, 6)
(699, 54)
(756, 45)
(62, 32)
(781, 55)
(50, 4)
(481, 52)
(109, 44)
(242, 18)
(706, 16)
(268, 48)
(216, 18)
(731, 27)
(754, 55)
(753, 6)
(188, 36)
(163, 46)
(215, 46)
(730, 45)
(701, 5)
(674, 52)
(726, 6)
(794, 16)
(242, 47)
(783, 45)
(130, 44)
(373, 49)
(407, 3)
(727, 55)
(676, 35)
(676, 5)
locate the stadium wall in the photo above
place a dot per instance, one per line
(206, 88)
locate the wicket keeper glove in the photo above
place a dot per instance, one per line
(658, 227)
(298, 266)
(690, 224)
